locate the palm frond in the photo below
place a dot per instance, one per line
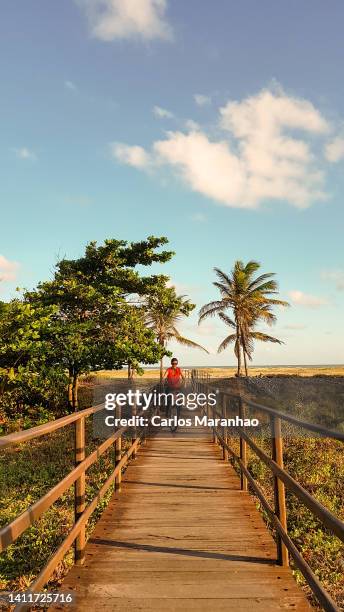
(267, 287)
(186, 342)
(224, 289)
(263, 278)
(265, 338)
(269, 317)
(228, 340)
(251, 267)
(275, 302)
(227, 320)
(223, 277)
(211, 309)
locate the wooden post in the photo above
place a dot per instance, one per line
(214, 434)
(134, 413)
(225, 429)
(210, 414)
(79, 490)
(243, 449)
(222, 429)
(118, 453)
(279, 489)
(209, 408)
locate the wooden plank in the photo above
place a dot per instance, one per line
(182, 536)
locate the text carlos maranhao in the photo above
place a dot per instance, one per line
(161, 421)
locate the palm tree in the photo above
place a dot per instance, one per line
(249, 298)
(163, 317)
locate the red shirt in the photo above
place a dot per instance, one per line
(174, 376)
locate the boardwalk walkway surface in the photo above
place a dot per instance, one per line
(182, 536)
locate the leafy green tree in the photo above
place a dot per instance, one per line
(165, 309)
(22, 329)
(250, 298)
(98, 323)
(26, 376)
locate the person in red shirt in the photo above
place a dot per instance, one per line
(174, 376)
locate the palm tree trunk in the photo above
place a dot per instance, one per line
(245, 361)
(238, 344)
(239, 361)
(162, 344)
(161, 369)
(244, 351)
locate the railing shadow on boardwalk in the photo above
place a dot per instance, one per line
(182, 551)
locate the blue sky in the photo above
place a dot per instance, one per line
(219, 125)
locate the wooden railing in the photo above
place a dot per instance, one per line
(282, 479)
(76, 476)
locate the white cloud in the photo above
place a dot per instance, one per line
(122, 19)
(337, 276)
(205, 166)
(295, 326)
(131, 155)
(278, 164)
(70, 85)
(334, 150)
(202, 100)
(8, 269)
(305, 299)
(25, 153)
(266, 153)
(162, 113)
(269, 112)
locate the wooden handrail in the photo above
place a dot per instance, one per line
(282, 479)
(328, 518)
(46, 428)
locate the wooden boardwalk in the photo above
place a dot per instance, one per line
(181, 535)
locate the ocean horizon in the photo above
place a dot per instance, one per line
(234, 367)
